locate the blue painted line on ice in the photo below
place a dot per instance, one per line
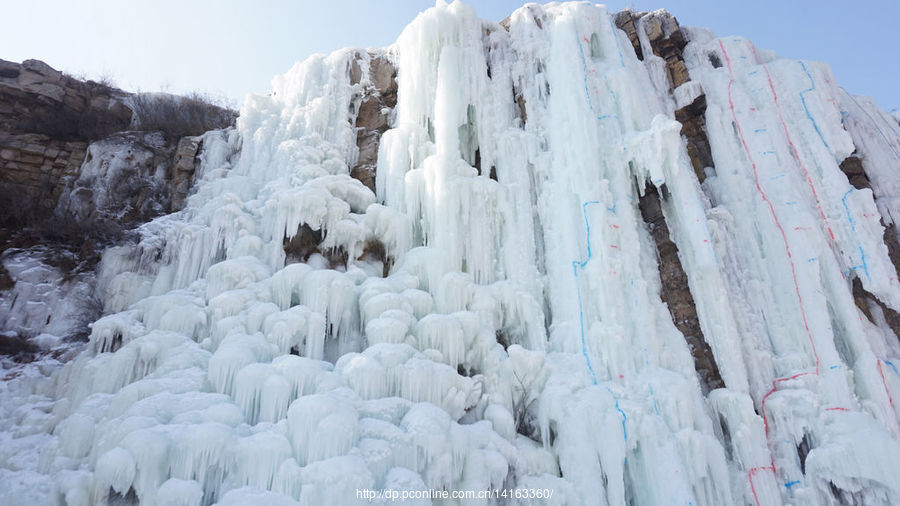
(612, 93)
(812, 86)
(751, 73)
(576, 265)
(894, 367)
(835, 367)
(653, 396)
(791, 202)
(769, 152)
(790, 484)
(587, 90)
(779, 176)
(813, 259)
(758, 130)
(862, 253)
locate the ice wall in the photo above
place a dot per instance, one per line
(519, 339)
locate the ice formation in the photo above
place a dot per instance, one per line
(519, 339)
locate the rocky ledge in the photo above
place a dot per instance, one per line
(81, 162)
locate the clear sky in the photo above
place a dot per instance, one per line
(231, 47)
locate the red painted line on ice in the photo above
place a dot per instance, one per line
(884, 382)
(794, 149)
(772, 391)
(754, 471)
(765, 198)
(787, 248)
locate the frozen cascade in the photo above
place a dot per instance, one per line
(518, 338)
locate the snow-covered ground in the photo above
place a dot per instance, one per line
(520, 340)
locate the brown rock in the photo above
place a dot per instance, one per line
(693, 128)
(677, 72)
(372, 117)
(625, 21)
(865, 301)
(384, 79)
(371, 114)
(852, 167)
(676, 292)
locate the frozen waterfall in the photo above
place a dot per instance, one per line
(487, 314)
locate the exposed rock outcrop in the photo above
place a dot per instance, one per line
(852, 167)
(378, 100)
(80, 163)
(49, 119)
(668, 42)
(665, 37)
(35, 98)
(676, 293)
(693, 128)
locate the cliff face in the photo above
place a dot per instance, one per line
(81, 163)
(47, 120)
(603, 256)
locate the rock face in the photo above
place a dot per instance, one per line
(676, 292)
(127, 178)
(80, 162)
(665, 38)
(48, 120)
(668, 42)
(693, 128)
(183, 169)
(375, 107)
(31, 166)
(35, 98)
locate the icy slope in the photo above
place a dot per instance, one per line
(520, 339)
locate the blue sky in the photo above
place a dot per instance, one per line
(230, 47)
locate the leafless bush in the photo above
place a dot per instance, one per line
(524, 424)
(178, 116)
(107, 80)
(90, 309)
(24, 223)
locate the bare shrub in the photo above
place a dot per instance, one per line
(90, 309)
(178, 116)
